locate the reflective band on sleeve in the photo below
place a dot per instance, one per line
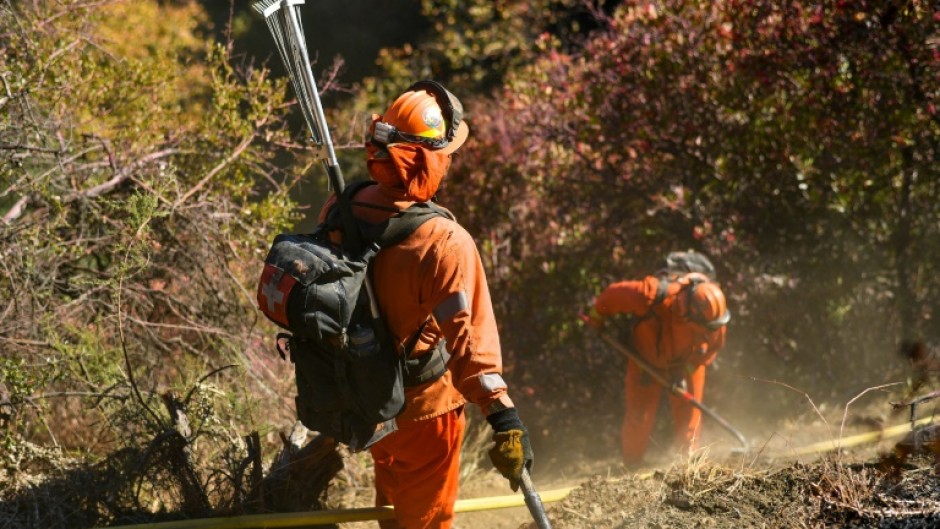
(449, 308)
(492, 381)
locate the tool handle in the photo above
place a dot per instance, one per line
(675, 389)
(533, 501)
(318, 125)
(723, 423)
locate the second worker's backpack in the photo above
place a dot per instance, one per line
(349, 371)
(680, 264)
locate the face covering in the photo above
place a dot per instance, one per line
(414, 168)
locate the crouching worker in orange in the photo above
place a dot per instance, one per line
(679, 327)
(433, 294)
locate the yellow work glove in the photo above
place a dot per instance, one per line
(511, 449)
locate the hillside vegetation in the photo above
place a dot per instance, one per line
(146, 161)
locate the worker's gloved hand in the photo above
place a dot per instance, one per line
(511, 449)
(592, 319)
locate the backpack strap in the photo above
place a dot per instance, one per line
(662, 288)
(398, 227)
(334, 219)
(392, 230)
(428, 367)
(340, 217)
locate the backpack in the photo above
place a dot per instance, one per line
(350, 373)
(679, 264)
(676, 266)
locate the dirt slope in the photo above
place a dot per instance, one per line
(715, 489)
(824, 494)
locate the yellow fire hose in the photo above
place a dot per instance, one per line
(335, 516)
(855, 440)
(303, 519)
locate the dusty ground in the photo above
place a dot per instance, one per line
(709, 495)
(715, 488)
(778, 484)
(705, 495)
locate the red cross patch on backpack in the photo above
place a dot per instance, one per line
(273, 288)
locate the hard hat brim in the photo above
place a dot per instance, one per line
(460, 136)
(719, 322)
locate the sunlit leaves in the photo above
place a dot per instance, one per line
(142, 172)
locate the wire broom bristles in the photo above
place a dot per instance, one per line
(283, 19)
(262, 6)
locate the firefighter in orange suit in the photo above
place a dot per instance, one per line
(431, 287)
(679, 329)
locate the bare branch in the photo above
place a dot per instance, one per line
(120, 176)
(123, 340)
(17, 147)
(63, 394)
(194, 328)
(801, 392)
(203, 378)
(16, 210)
(329, 78)
(6, 88)
(215, 170)
(849, 403)
(70, 159)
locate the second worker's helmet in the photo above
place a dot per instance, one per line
(705, 304)
(426, 114)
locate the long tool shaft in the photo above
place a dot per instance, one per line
(674, 388)
(283, 19)
(533, 501)
(321, 132)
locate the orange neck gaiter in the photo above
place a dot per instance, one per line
(410, 167)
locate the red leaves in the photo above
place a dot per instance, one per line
(817, 17)
(726, 30)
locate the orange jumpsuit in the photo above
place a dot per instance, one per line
(436, 273)
(677, 347)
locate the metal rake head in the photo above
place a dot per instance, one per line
(283, 20)
(266, 8)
